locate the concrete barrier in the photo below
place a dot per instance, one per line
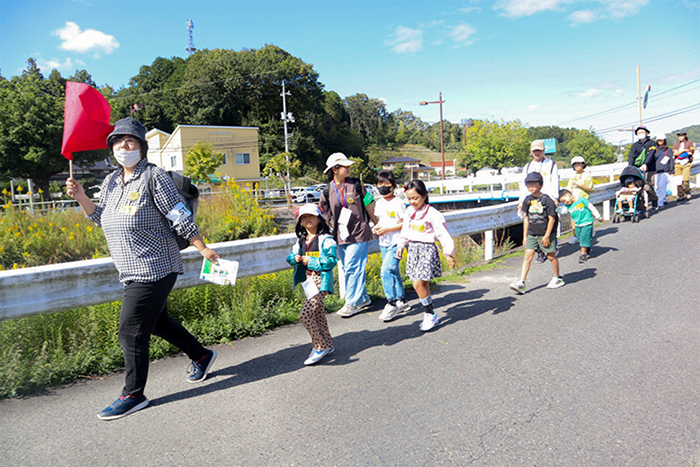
(58, 287)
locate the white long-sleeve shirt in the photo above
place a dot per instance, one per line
(426, 225)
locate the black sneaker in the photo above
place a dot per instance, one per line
(200, 369)
(123, 406)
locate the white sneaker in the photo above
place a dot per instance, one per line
(555, 283)
(403, 306)
(518, 286)
(389, 312)
(429, 321)
(316, 355)
(573, 240)
(365, 304)
(348, 311)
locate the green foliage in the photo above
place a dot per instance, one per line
(496, 145)
(28, 239)
(31, 126)
(592, 148)
(202, 161)
(40, 351)
(360, 169)
(233, 215)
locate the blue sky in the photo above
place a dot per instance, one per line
(570, 63)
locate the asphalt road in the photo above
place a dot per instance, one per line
(602, 372)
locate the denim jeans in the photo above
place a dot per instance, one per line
(391, 277)
(353, 259)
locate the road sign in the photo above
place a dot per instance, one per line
(550, 146)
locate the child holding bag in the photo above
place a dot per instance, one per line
(314, 258)
(422, 226)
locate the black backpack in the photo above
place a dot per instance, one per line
(189, 195)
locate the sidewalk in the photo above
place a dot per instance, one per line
(601, 372)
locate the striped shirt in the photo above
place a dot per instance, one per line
(142, 247)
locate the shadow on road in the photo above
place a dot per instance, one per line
(452, 307)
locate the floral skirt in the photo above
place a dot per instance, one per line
(423, 261)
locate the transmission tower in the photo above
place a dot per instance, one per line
(190, 43)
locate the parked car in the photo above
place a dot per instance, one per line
(311, 194)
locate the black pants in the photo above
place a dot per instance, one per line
(143, 314)
(649, 188)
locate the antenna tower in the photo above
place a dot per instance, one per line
(190, 43)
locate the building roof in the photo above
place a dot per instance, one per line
(400, 160)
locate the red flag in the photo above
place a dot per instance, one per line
(86, 121)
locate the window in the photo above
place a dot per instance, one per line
(243, 158)
(173, 161)
(224, 162)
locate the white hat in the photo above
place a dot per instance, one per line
(337, 158)
(309, 209)
(537, 144)
(577, 159)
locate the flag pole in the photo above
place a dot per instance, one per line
(70, 167)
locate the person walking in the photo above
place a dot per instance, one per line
(390, 210)
(347, 206)
(423, 226)
(313, 258)
(539, 232)
(582, 214)
(643, 155)
(683, 151)
(664, 169)
(147, 257)
(549, 171)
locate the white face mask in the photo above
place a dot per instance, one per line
(641, 136)
(128, 158)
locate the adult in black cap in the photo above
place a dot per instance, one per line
(147, 257)
(683, 151)
(643, 155)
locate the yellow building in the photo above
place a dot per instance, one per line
(238, 144)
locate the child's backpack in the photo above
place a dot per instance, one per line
(189, 195)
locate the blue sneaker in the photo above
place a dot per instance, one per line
(123, 406)
(200, 369)
(316, 355)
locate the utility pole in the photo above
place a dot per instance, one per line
(286, 117)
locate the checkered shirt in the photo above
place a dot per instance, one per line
(142, 247)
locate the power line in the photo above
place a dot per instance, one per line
(656, 118)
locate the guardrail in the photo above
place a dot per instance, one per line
(58, 287)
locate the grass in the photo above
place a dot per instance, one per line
(42, 351)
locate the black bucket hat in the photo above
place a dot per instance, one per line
(127, 126)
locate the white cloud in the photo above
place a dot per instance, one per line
(622, 8)
(89, 40)
(583, 16)
(407, 40)
(470, 9)
(590, 93)
(462, 34)
(533, 108)
(617, 93)
(606, 9)
(518, 8)
(66, 66)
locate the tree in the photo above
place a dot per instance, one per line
(202, 161)
(360, 169)
(593, 149)
(368, 117)
(496, 145)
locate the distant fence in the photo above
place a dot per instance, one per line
(57, 287)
